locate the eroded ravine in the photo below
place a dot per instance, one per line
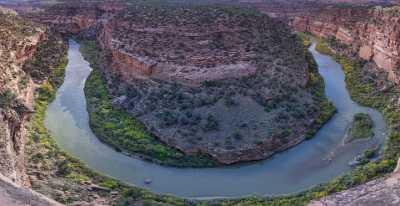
(310, 163)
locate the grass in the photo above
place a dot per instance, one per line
(361, 127)
(117, 128)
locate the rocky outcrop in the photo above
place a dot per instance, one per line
(12, 194)
(131, 63)
(371, 33)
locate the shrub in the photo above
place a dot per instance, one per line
(7, 98)
(211, 124)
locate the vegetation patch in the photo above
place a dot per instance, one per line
(7, 98)
(323, 48)
(361, 127)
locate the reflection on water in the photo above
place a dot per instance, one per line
(312, 162)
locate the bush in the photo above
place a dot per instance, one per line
(7, 98)
(211, 124)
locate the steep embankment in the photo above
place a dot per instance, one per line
(18, 44)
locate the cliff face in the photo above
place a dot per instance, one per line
(18, 43)
(372, 33)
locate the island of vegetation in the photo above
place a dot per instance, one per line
(361, 127)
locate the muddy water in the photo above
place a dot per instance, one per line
(312, 162)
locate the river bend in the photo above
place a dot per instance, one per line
(310, 163)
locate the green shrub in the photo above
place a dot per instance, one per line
(212, 123)
(7, 98)
(362, 126)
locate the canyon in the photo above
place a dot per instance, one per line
(142, 60)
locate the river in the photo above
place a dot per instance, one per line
(310, 163)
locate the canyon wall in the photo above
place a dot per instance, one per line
(19, 42)
(16, 90)
(131, 66)
(371, 33)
